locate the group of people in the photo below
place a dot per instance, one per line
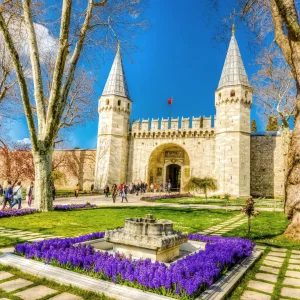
(140, 188)
(13, 194)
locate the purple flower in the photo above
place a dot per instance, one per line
(187, 277)
(17, 212)
(74, 206)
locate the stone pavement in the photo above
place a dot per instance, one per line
(24, 289)
(270, 274)
(134, 200)
(22, 235)
(226, 226)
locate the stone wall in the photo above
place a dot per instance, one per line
(78, 166)
(267, 165)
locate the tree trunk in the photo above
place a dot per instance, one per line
(292, 181)
(42, 190)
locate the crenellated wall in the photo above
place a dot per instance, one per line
(201, 126)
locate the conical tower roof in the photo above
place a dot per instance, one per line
(116, 81)
(233, 70)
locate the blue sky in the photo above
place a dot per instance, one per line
(177, 57)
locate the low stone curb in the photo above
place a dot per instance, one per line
(218, 290)
(221, 288)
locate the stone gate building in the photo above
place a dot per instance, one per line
(175, 149)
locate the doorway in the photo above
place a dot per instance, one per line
(173, 174)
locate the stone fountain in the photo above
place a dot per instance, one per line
(147, 238)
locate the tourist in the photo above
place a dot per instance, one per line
(17, 195)
(155, 187)
(161, 188)
(151, 187)
(114, 192)
(106, 191)
(146, 187)
(120, 189)
(138, 188)
(124, 193)
(1, 190)
(76, 190)
(142, 188)
(169, 186)
(29, 193)
(92, 188)
(8, 195)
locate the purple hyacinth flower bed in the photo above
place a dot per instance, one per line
(17, 212)
(184, 279)
(166, 196)
(74, 206)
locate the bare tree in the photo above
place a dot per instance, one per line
(16, 162)
(103, 20)
(280, 17)
(274, 86)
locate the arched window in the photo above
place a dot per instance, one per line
(119, 102)
(232, 93)
(246, 94)
(128, 105)
(107, 101)
(220, 95)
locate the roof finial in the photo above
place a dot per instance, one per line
(233, 29)
(119, 45)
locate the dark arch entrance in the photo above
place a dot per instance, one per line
(173, 174)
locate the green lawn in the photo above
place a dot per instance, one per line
(8, 242)
(267, 229)
(232, 202)
(72, 223)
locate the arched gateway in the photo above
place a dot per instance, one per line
(169, 162)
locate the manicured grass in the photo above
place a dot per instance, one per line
(232, 202)
(267, 229)
(72, 223)
(51, 284)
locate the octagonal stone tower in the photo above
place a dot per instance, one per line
(114, 109)
(233, 100)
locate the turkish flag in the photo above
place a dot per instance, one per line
(170, 100)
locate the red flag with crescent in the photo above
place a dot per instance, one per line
(170, 100)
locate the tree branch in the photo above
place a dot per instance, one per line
(22, 82)
(36, 66)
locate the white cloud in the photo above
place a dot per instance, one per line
(25, 141)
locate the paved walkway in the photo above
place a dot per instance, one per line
(273, 275)
(226, 226)
(24, 289)
(134, 200)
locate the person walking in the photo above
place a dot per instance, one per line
(124, 193)
(8, 195)
(76, 190)
(17, 195)
(138, 188)
(1, 190)
(151, 187)
(29, 193)
(169, 187)
(106, 191)
(114, 192)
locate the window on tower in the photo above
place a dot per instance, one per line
(119, 102)
(246, 94)
(220, 95)
(232, 93)
(107, 101)
(128, 105)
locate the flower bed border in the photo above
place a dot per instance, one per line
(121, 292)
(69, 207)
(177, 280)
(17, 212)
(166, 196)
